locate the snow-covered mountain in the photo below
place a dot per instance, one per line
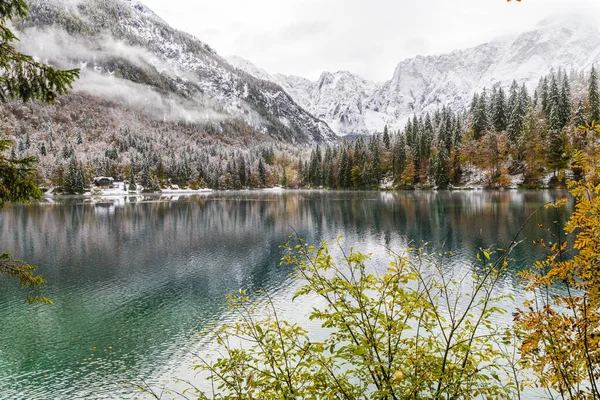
(350, 104)
(337, 98)
(130, 56)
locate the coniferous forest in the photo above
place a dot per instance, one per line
(508, 137)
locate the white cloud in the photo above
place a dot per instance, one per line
(368, 37)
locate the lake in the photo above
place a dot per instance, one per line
(134, 279)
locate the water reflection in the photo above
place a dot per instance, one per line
(133, 278)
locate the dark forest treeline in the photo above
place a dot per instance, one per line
(508, 136)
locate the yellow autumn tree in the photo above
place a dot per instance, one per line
(561, 323)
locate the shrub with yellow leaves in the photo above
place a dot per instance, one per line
(561, 332)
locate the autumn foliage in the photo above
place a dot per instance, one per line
(561, 322)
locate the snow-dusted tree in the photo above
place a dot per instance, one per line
(580, 119)
(399, 155)
(73, 179)
(564, 109)
(132, 185)
(386, 138)
(499, 113)
(262, 173)
(517, 115)
(594, 97)
(480, 118)
(544, 95)
(441, 170)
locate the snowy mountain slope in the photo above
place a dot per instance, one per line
(129, 55)
(350, 104)
(336, 98)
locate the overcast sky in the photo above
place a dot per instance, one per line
(367, 37)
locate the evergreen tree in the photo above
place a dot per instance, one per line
(557, 149)
(386, 138)
(513, 96)
(315, 170)
(284, 180)
(544, 95)
(517, 116)
(241, 165)
(441, 170)
(300, 172)
(480, 119)
(499, 114)
(593, 98)
(328, 170)
(374, 168)
(262, 173)
(132, 185)
(554, 122)
(73, 180)
(345, 177)
(18, 177)
(426, 138)
(399, 155)
(580, 119)
(445, 132)
(564, 110)
(146, 178)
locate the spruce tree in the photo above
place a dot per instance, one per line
(564, 110)
(132, 186)
(544, 95)
(517, 116)
(480, 118)
(284, 181)
(580, 119)
(262, 173)
(400, 155)
(241, 165)
(146, 178)
(344, 179)
(557, 158)
(441, 170)
(374, 168)
(513, 96)
(73, 179)
(386, 138)
(426, 139)
(554, 122)
(499, 113)
(80, 188)
(594, 98)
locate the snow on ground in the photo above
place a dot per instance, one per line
(475, 178)
(274, 189)
(120, 189)
(516, 181)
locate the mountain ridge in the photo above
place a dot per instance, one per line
(170, 74)
(424, 83)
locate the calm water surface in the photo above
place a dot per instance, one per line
(134, 279)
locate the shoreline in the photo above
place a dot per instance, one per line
(206, 192)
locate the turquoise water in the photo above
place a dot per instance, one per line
(134, 279)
